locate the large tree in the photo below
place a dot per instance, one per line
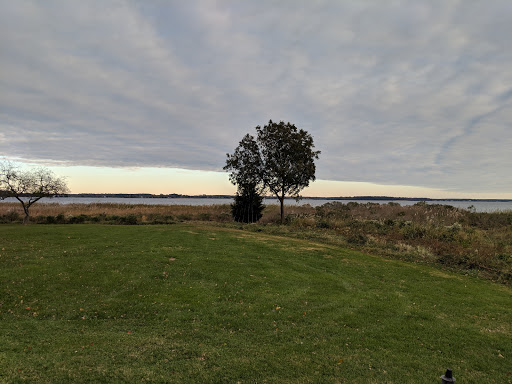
(281, 159)
(29, 186)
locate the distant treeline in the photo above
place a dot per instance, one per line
(390, 198)
(147, 196)
(341, 198)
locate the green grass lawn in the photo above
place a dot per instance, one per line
(206, 304)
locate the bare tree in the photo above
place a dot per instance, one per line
(29, 186)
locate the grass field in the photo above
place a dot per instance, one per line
(200, 303)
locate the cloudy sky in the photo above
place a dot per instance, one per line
(404, 98)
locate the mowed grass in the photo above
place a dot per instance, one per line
(205, 304)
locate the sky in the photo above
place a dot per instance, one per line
(403, 98)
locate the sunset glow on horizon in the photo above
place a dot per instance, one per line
(194, 183)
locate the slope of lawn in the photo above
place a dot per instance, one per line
(205, 304)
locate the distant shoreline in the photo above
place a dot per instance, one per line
(338, 198)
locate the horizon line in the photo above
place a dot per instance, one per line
(356, 197)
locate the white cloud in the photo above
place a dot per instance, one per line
(404, 93)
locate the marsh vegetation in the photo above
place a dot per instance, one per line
(474, 242)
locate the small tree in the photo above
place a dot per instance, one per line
(28, 187)
(246, 167)
(248, 205)
(281, 160)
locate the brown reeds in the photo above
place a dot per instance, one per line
(54, 209)
(145, 213)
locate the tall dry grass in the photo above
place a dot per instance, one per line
(54, 209)
(146, 213)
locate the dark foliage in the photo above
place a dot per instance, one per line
(281, 160)
(248, 206)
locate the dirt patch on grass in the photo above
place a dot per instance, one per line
(444, 275)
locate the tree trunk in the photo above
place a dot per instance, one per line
(281, 200)
(26, 219)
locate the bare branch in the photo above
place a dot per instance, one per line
(29, 186)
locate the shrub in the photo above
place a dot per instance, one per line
(154, 218)
(248, 206)
(414, 232)
(95, 219)
(11, 216)
(77, 219)
(358, 239)
(300, 221)
(224, 217)
(456, 227)
(51, 220)
(204, 216)
(128, 220)
(323, 224)
(60, 218)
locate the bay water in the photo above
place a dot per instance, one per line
(476, 205)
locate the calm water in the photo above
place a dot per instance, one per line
(480, 206)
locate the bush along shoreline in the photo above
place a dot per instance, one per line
(474, 242)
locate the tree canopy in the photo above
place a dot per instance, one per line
(29, 186)
(281, 159)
